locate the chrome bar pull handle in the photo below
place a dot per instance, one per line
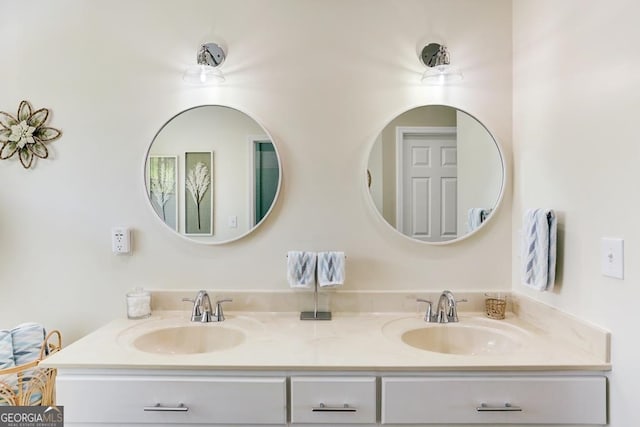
(324, 408)
(159, 408)
(508, 407)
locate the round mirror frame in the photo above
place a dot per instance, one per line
(189, 237)
(498, 202)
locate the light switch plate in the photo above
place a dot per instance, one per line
(613, 258)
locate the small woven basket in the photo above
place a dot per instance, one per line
(496, 307)
(29, 385)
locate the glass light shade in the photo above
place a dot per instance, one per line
(203, 74)
(441, 75)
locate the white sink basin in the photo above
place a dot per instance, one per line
(190, 339)
(172, 333)
(472, 336)
(461, 339)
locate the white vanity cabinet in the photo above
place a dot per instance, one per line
(330, 398)
(491, 400)
(151, 398)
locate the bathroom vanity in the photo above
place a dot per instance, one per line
(270, 368)
(131, 397)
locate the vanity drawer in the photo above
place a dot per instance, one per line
(132, 399)
(333, 400)
(490, 400)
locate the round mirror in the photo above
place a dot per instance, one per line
(212, 174)
(435, 174)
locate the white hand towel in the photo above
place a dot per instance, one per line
(539, 235)
(331, 269)
(301, 269)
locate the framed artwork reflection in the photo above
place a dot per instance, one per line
(198, 190)
(162, 185)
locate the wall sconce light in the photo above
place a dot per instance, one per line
(210, 56)
(439, 71)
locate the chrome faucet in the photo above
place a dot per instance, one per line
(202, 311)
(446, 309)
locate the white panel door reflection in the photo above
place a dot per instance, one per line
(428, 205)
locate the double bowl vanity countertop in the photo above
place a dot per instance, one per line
(350, 341)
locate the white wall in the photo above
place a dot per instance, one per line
(322, 77)
(576, 150)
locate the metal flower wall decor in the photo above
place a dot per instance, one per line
(26, 134)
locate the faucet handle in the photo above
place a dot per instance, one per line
(428, 315)
(459, 300)
(453, 310)
(219, 315)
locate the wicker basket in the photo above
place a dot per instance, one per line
(29, 385)
(496, 307)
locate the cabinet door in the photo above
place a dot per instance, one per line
(172, 400)
(491, 400)
(333, 400)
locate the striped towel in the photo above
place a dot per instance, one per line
(8, 383)
(539, 230)
(6, 350)
(301, 269)
(331, 269)
(27, 341)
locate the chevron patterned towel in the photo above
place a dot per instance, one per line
(27, 340)
(331, 269)
(539, 230)
(6, 350)
(301, 269)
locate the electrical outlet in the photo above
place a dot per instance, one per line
(120, 240)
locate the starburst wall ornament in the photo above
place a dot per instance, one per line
(26, 134)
